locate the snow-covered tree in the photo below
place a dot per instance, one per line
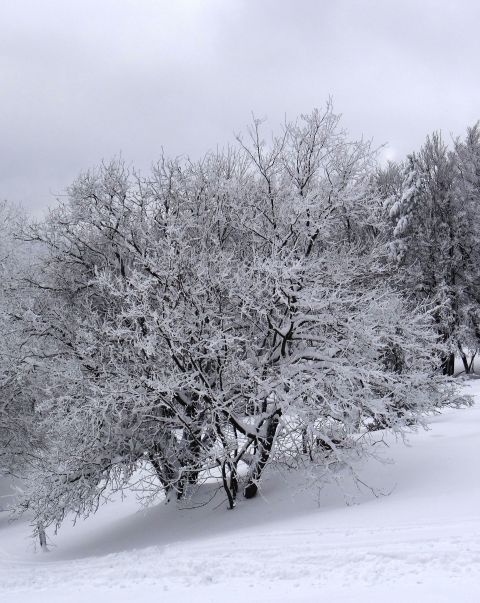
(434, 241)
(218, 316)
(468, 193)
(19, 436)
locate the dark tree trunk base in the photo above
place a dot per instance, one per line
(250, 490)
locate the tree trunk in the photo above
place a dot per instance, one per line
(467, 365)
(471, 365)
(230, 484)
(167, 474)
(448, 364)
(42, 537)
(265, 446)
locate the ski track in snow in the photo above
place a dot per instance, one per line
(294, 554)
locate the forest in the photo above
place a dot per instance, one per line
(276, 304)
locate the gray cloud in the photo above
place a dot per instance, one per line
(85, 80)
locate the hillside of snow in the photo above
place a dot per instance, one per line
(416, 537)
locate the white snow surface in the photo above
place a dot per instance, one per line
(420, 543)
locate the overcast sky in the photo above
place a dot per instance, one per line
(84, 80)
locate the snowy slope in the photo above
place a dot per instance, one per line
(422, 542)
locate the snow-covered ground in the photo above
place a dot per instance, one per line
(420, 543)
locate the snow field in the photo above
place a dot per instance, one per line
(419, 543)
